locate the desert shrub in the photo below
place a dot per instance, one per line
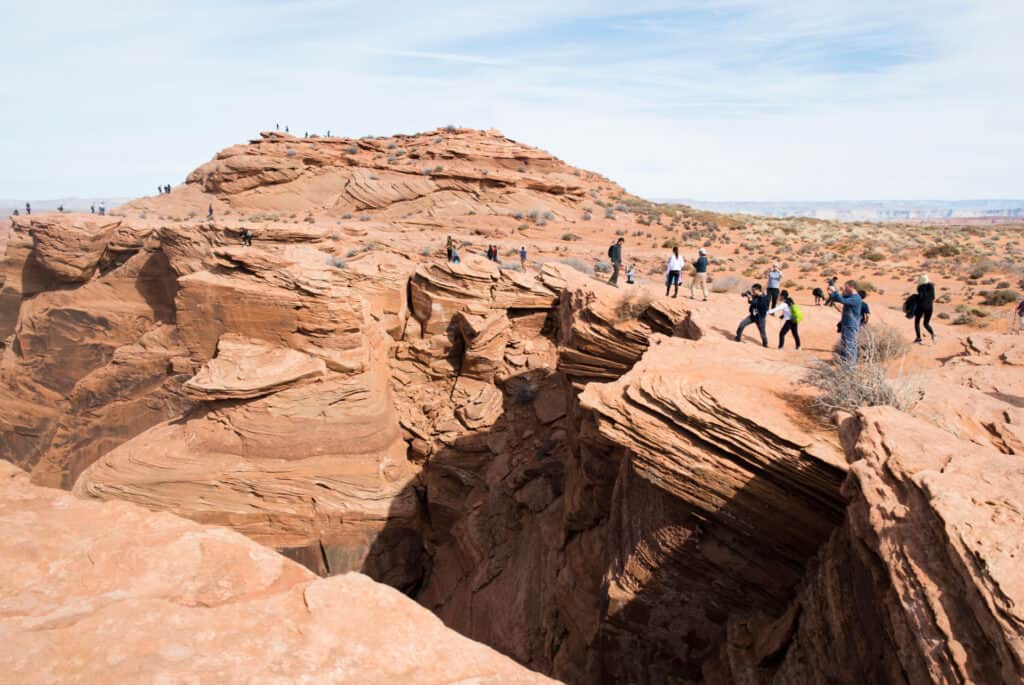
(392, 146)
(602, 268)
(632, 307)
(438, 169)
(846, 386)
(941, 250)
(980, 268)
(549, 216)
(790, 283)
(512, 266)
(1002, 285)
(352, 253)
(670, 243)
(522, 227)
(963, 320)
(866, 286)
(873, 256)
(609, 213)
(586, 216)
(450, 128)
(352, 149)
(336, 262)
(880, 343)
(577, 264)
(570, 236)
(942, 315)
(346, 215)
(364, 217)
(521, 170)
(998, 298)
(725, 284)
(310, 219)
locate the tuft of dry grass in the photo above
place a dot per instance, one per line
(632, 307)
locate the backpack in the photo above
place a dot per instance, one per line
(610, 249)
(796, 313)
(910, 306)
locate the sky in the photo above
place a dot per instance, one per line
(707, 99)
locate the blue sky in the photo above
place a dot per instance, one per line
(716, 100)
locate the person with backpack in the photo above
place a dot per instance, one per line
(522, 257)
(448, 246)
(849, 324)
(615, 255)
(758, 313)
(923, 308)
(673, 271)
(700, 274)
(774, 277)
(792, 315)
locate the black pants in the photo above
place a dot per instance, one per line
(614, 280)
(773, 296)
(760, 327)
(670, 280)
(786, 328)
(925, 314)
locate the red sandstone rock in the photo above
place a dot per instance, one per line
(113, 593)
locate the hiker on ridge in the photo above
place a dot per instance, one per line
(522, 257)
(672, 271)
(849, 325)
(791, 318)
(448, 246)
(700, 274)
(758, 313)
(774, 277)
(209, 212)
(925, 307)
(28, 208)
(615, 255)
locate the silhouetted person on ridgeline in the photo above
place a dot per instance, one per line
(103, 209)
(209, 212)
(28, 208)
(92, 209)
(60, 208)
(167, 188)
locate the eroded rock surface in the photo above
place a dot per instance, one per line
(109, 592)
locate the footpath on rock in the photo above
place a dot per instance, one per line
(594, 481)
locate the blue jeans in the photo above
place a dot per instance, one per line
(848, 343)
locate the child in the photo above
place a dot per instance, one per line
(631, 274)
(791, 316)
(819, 297)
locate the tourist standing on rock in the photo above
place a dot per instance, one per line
(167, 188)
(700, 274)
(631, 274)
(522, 256)
(247, 236)
(849, 324)
(455, 254)
(449, 246)
(60, 208)
(791, 318)
(774, 277)
(209, 212)
(103, 209)
(28, 208)
(924, 308)
(615, 255)
(672, 271)
(758, 313)
(92, 209)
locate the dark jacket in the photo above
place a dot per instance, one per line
(759, 306)
(701, 265)
(925, 296)
(615, 253)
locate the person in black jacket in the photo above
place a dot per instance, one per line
(615, 255)
(758, 313)
(923, 310)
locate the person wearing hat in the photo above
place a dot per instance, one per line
(700, 274)
(925, 305)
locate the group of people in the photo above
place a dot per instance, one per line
(761, 305)
(164, 189)
(673, 270)
(452, 251)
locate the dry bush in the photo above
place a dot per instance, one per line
(879, 343)
(725, 284)
(632, 307)
(847, 386)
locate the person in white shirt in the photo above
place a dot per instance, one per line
(774, 277)
(675, 268)
(789, 322)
